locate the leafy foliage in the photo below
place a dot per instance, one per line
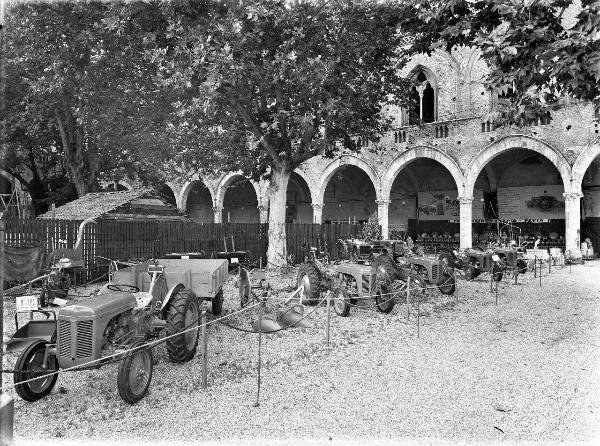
(538, 62)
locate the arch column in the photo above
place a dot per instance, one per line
(263, 210)
(466, 222)
(317, 213)
(572, 220)
(218, 210)
(382, 216)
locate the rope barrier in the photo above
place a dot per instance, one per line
(121, 355)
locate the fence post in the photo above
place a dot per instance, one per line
(204, 384)
(328, 315)
(260, 319)
(540, 272)
(535, 267)
(408, 298)
(418, 315)
(496, 293)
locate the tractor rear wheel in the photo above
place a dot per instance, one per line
(29, 365)
(309, 276)
(183, 313)
(384, 298)
(470, 272)
(135, 374)
(341, 302)
(448, 285)
(497, 272)
(384, 269)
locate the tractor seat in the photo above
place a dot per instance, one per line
(143, 298)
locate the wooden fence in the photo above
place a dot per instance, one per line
(125, 240)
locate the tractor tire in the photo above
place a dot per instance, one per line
(309, 275)
(217, 303)
(497, 273)
(384, 298)
(448, 285)
(522, 266)
(182, 314)
(384, 269)
(30, 365)
(134, 376)
(341, 302)
(470, 272)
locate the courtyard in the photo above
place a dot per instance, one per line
(525, 370)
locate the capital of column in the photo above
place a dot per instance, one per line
(465, 200)
(572, 196)
(383, 202)
(262, 207)
(316, 206)
(218, 208)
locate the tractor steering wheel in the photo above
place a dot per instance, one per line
(123, 288)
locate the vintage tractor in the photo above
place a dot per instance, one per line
(473, 262)
(513, 259)
(144, 301)
(358, 251)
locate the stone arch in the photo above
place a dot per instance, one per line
(401, 162)
(477, 164)
(167, 185)
(225, 181)
(185, 191)
(431, 76)
(347, 160)
(584, 160)
(312, 184)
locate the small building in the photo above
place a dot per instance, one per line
(129, 205)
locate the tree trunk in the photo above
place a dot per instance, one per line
(277, 192)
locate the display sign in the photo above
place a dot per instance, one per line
(27, 303)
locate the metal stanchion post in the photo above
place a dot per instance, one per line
(408, 298)
(496, 293)
(7, 404)
(261, 312)
(535, 267)
(540, 272)
(418, 315)
(549, 264)
(492, 280)
(204, 383)
(328, 316)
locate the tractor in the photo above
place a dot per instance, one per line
(472, 262)
(143, 302)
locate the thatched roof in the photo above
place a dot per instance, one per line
(141, 204)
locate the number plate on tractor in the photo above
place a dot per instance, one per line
(27, 303)
(495, 258)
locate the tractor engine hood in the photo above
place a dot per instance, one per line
(99, 306)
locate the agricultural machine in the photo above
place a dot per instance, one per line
(142, 302)
(473, 262)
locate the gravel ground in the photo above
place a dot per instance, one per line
(526, 370)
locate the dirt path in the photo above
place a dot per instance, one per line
(525, 370)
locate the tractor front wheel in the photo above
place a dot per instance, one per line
(217, 303)
(448, 285)
(341, 302)
(309, 277)
(135, 374)
(384, 299)
(30, 366)
(183, 314)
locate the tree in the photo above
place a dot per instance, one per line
(282, 82)
(541, 53)
(79, 77)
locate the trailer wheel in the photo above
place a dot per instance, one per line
(30, 363)
(183, 313)
(310, 277)
(384, 298)
(135, 374)
(448, 285)
(217, 303)
(341, 302)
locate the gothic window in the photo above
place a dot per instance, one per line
(423, 98)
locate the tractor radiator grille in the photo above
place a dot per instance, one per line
(84, 339)
(64, 336)
(435, 272)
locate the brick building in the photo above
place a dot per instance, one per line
(455, 173)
